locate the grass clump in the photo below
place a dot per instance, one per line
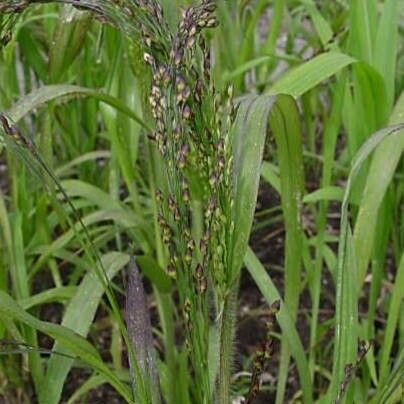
(155, 167)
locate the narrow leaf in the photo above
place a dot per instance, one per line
(73, 343)
(270, 293)
(78, 317)
(45, 94)
(381, 171)
(309, 74)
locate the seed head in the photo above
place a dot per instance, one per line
(157, 11)
(162, 147)
(182, 155)
(188, 256)
(192, 30)
(159, 196)
(178, 56)
(188, 344)
(203, 247)
(180, 83)
(155, 90)
(190, 43)
(149, 59)
(186, 93)
(212, 22)
(191, 244)
(177, 133)
(206, 66)
(199, 271)
(214, 178)
(167, 235)
(186, 112)
(160, 125)
(162, 102)
(220, 146)
(171, 271)
(171, 202)
(161, 221)
(153, 102)
(190, 249)
(185, 190)
(221, 162)
(198, 91)
(202, 285)
(183, 95)
(209, 5)
(210, 208)
(147, 39)
(204, 242)
(187, 306)
(275, 307)
(187, 233)
(158, 136)
(174, 208)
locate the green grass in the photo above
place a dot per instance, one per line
(116, 159)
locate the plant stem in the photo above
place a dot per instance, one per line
(227, 326)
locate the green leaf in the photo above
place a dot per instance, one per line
(245, 67)
(363, 24)
(284, 122)
(254, 115)
(365, 107)
(59, 294)
(346, 315)
(78, 317)
(270, 174)
(98, 197)
(396, 303)
(323, 28)
(391, 391)
(91, 383)
(330, 193)
(69, 34)
(381, 172)
(73, 343)
(63, 92)
(270, 293)
(121, 217)
(93, 155)
(309, 74)
(385, 52)
(154, 272)
(250, 130)
(347, 289)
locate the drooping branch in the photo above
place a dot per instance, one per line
(138, 19)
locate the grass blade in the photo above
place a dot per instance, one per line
(54, 92)
(382, 169)
(309, 74)
(270, 293)
(248, 145)
(72, 342)
(251, 129)
(346, 320)
(396, 302)
(385, 55)
(391, 391)
(322, 26)
(78, 317)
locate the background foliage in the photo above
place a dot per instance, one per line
(319, 93)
